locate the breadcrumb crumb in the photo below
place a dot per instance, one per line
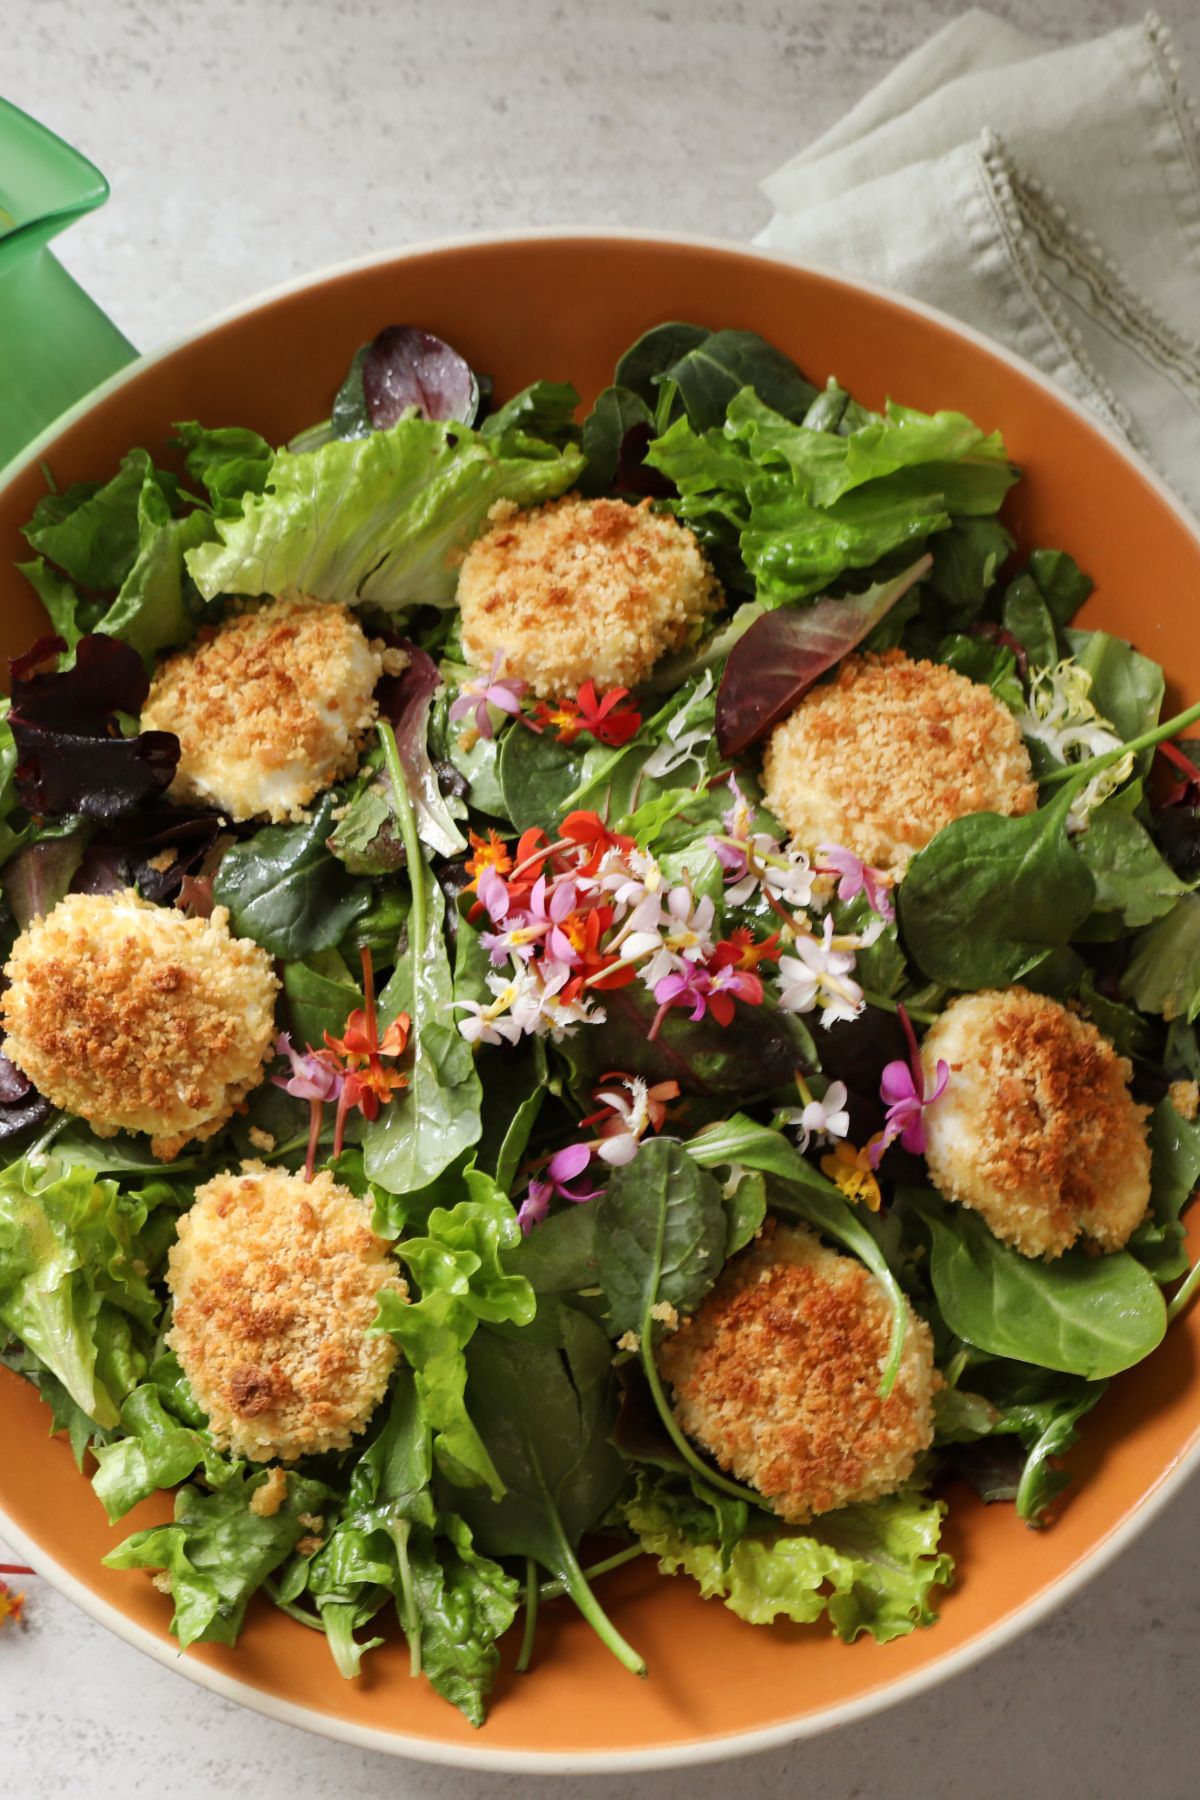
(137, 1018)
(266, 1500)
(269, 707)
(262, 1140)
(883, 756)
(1185, 1098)
(276, 1281)
(1037, 1130)
(777, 1376)
(582, 590)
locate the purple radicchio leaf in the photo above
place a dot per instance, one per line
(37, 877)
(406, 367)
(405, 700)
(20, 1102)
(71, 756)
(773, 665)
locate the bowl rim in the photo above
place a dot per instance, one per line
(729, 1745)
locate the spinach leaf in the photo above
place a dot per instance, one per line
(285, 890)
(965, 561)
(219, 1552)
(1008, 1435)
(709, 374)
(992, 665)
(1083, 1315)
(647, 362)
(1133, 881)
(1061, 583)
(1028, 618)
(986, 899)
(320, 995)
(1163, 974)
(536, 774)
(544, 409)
(515, 1084)
(545, 1413)
(154, 1451)
(562, 1256)
(1127, 688)
(660, 1235)
(616, 412)
(1174, 1173)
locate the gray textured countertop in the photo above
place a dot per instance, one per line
(248, 142)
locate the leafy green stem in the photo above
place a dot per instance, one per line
(893, 1006)
(532, 1595)
(291, 1609)
(713, 1477)
(410, 1615)
(1093, 764)
(408, 832)
(575, 1584)
(1187, 1290)
(553, 1590)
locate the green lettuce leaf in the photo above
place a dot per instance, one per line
(229, 461)
(156, 1451)
(867, 1568)
(218, 1553)
(381, 519)
(72, 1278)
(463, 1283)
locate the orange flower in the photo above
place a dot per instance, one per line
(490, 852)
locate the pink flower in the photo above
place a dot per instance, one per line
(481, 691)
(857, 877)
(729, 984)
(315, 1075)
(902, 1087)
(564, 1166)
(689, 986)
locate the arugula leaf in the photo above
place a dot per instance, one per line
(545, 1413)
(660, 1235)
(285, 890)
(1083, 1315)
(72, 1278)
(378, 519)
(867, 1568)
(218, 1552)
(986, 899)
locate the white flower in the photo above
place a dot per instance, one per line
(538, 1008)
(788, 878)
(818, 975)
(492, 1023)
(680, 746)
(629, 877)
(684, 936)
(826, 1117)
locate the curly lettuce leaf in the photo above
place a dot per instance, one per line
(866, 1568)
(155, 1451)
(382, 519)
(73, 1286)
(463, 1283)
(218, 1552)
(804, 506)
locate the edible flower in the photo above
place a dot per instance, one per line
(565, 1166)
(490, 852)
(12, 1605)
(818, 975)
(858, 877)
(629, 1110)
(826, 1117)
(603, 718)
(479, 692)
(902, 1088)
(853, 1172)
(1062, 716)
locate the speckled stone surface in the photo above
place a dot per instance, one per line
(251, 142)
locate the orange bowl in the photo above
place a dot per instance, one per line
(565, 306)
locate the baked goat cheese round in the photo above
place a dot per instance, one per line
(137, 1018)
(276, 1281)
(1037, 1130)
(269, 708)
(777, 1376)
(879, 759)
(582, 590)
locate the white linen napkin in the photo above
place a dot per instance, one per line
(1051, 198)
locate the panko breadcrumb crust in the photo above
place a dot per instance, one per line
(138, 1018)
(777, 1376)
(275, 1281)
(883, 756)
(1037, 1130)
(269, 707)
(581, 590)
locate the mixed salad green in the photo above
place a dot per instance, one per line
(630, 1021)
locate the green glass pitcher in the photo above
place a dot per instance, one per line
(55, 343)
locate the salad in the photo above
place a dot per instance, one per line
(578, 992)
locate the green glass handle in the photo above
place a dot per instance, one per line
(55, 343)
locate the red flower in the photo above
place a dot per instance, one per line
(588, 831)
(602, 716)
(487, 853)
(740, 950)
